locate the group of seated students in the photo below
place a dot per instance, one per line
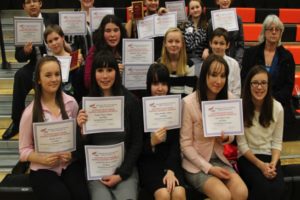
(195, 61)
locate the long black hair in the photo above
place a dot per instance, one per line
(157, 73)
(205, 71)
(266, 112)
(98, 35)
(105, 59)
(38, 114)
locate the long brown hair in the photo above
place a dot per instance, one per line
(203, 19)
(38, 114)
(266, 112)
(205, 71)
(54, 28)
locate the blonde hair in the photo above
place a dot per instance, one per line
(181, 69)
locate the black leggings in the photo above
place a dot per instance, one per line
(70, 185)
(261, 188)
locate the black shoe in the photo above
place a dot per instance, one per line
(20, 168)
(10, 132)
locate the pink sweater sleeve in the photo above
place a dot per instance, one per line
(26, 144)
(88, 67)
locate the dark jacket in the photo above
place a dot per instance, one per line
(166, 155)
(48, 18)
(282, 79)
(132, 135)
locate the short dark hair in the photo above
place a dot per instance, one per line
(218, 32)
(24, 1)
(266, 113)
(105, 59)
(205, 70)
(157, 73)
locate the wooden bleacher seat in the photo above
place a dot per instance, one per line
(295, 50)
(247, 14)
(291, 16)
(251, 32)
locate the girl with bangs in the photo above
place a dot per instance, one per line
(160, 163)
(108, 37)
(106, 82)
(206, 168)
(181, 70)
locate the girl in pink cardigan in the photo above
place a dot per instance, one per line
(206, 168)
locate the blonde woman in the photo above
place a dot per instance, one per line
(174, 56)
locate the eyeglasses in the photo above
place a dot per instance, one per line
(256, 84)
(272, 29)
(31, 1)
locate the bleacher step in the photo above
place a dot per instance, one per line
(5, 121)
(8, 161)
(9, 146)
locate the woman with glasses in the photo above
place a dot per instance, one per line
(277, 60)
(261, 144)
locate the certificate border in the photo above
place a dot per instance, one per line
(93, 9)
(182, 3)
(206, 103)
(61, 13)
(222, 10)
(137, 87)
(146, 128)
(139, 31)
(27, 20)
(127, 41)
(158, 16)
(89, 147)
(37, 124)
(122, 98)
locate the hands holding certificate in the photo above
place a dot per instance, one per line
(28, 48)
(111, 181)
(51, 160)
(81, 118)
(223, 138)
(158, 136)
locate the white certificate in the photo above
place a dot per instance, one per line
(54, 137)
(225, 18)
(138, 51)
(145, 27)
(65, 62)
(103, 160)
(179, 8)
(162, 111)
(96, 16)
(28, 29)
(73, 22)
(135, 76)
(105, 114)
(163, 22)
(222, 115)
